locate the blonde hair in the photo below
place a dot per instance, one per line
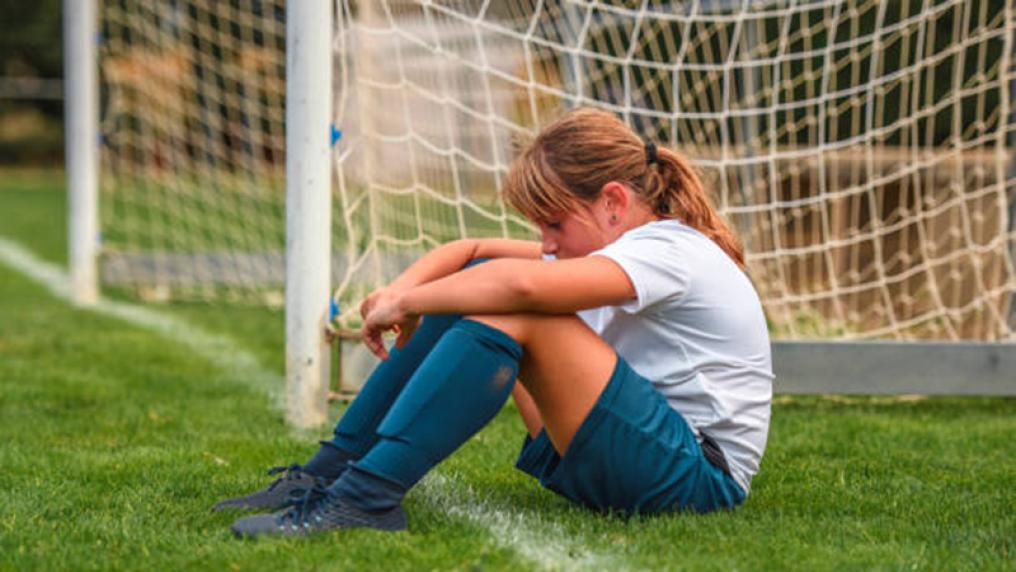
(571, 160)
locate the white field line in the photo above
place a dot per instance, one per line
(542, 543)
(220, 351)
(530, 536)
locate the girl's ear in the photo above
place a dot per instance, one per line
(615, 197)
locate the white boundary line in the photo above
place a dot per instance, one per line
(217, 350)
(544, 544)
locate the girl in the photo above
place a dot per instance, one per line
(640, 345)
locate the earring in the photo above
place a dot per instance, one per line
(613, 217)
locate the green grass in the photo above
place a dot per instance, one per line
(33, 211)
(116, 441)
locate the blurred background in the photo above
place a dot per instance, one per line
(31, 88)
(863, 149)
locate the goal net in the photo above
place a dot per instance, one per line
(193, 149)
(862, 149)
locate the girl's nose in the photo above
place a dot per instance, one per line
(548, 244)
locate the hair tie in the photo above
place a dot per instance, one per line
(650, 152)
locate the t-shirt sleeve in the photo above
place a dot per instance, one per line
(654, 267)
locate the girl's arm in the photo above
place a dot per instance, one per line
(451, 257)
(512, 285)
(504, 286)
(448, 259)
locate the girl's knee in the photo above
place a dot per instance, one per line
(522, 327)
(516, 326)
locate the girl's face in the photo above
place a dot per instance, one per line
(593, 225)
(572, 235)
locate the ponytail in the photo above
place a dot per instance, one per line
(673, 189)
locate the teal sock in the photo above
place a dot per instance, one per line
(356, 431)
(329, 462)
(459, 388)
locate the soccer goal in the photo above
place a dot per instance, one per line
(864, 150)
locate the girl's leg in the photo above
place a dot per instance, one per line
(636, 454)
(528, 410)
(458, 388)
(356, 432)
(463, 383)
(564, 371)
(612, 441)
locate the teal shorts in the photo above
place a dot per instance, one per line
(632, 454)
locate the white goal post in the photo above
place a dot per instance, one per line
(308, 209)
(863, 149)
(81, 133)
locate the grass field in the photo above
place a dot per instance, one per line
(118, 436)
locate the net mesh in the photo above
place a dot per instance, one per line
(193, 165)
(862, 149)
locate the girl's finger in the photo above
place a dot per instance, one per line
(372, 339)
(365, 307)
(405, 334)
(377, 347)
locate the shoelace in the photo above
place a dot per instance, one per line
(293, 471)
(304, 507)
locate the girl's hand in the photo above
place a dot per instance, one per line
(382, 312)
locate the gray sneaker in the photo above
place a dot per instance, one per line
(284, 491)
(317, 512)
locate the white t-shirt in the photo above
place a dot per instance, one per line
(697, 331)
